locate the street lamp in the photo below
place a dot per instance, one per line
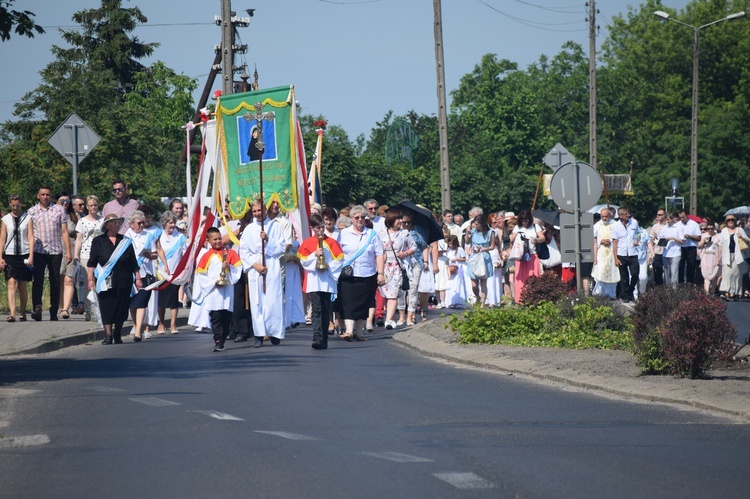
(694, 120)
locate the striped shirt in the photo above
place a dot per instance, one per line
(48, 228)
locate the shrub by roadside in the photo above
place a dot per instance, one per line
(680, 330)
(576, 324)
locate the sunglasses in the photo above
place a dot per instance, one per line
(140, 223)
(63, 201)
(406, 222)
(358, 218)
(118, 189)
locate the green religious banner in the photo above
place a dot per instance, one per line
(258, 130)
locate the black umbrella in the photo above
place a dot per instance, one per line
(423, 219)
(552, 217)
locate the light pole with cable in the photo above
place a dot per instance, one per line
(694, 119)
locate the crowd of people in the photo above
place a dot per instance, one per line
(363, 267)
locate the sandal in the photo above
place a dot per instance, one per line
(423, 315)
(163, 331)
(64, 314)
(173, 331)
(11, 318)
(22, 318)
(347, 337)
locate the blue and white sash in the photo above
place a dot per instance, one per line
(103, 272)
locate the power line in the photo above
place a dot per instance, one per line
(533, 24)
(350, 3)
(145, 25)
(557, 9)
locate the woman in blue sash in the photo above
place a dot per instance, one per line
(111, 266)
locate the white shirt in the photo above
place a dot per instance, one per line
(350, 242)
(626, 234)
(89, 229)
(673, 249)
(378, 223)
(691, 228)
(11, 237)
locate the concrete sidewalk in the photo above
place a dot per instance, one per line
(32, 337)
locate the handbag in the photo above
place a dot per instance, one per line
(516, 251)
(743, 247)
(404, 276)
(452, 269)
(478, 268)
(347, 270)
(542, 251)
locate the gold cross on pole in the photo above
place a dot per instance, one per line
(260, 116)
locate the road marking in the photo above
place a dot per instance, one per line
(154, 401)
(104, 389)
(290, 436)
(25, 441)
(219, 415)
(464, 481)
(397, 457)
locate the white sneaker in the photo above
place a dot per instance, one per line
(146, 335)
(440, 305)
(390, 324)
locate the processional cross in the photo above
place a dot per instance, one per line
(260, 116)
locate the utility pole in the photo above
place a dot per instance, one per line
(445, 177)
(592, 83)
(229, 24)
(227, 55)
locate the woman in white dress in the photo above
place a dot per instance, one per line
(456, 295)
(174, 245)
(87, 229)
(442, 277)
(731, 259)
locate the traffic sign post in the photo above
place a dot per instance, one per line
(576, 187)
(558, 156)
(74, 140)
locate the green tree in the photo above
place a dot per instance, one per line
(22, 20)
(136, 110)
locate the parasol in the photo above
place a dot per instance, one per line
(422, 219)
(739, 211)
(551, 217)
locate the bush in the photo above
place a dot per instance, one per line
(577, 325)
(680, 330)
(652, 310)
(548, 287)
(696, 335)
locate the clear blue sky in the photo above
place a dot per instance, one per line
(349, 60)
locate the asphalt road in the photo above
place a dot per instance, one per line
(169, 418)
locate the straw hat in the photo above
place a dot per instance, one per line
(111, 218)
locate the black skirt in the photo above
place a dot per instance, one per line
(169, 298)
(16, 269)
(114, 305)
(356, 295)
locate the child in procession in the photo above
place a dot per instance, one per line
(208, 290)
(319, 284)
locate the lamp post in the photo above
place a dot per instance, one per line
(694, 119)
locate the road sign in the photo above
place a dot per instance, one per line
(558, 156)
(74, 140)
(576, 180)
(568, 234)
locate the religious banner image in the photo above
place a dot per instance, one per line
(265, 117)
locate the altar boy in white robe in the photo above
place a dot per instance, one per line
(266, 308)
(208, 290)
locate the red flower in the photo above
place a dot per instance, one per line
(320, 124)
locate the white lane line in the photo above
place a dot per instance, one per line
(290, 436)
(104, 389)
(223, 416)
(154, 401)
(24, 441)
(464, 481)
(397, 457)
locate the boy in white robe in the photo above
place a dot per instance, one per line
(209, 292)
(319, 284)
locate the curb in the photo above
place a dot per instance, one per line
(429, 346)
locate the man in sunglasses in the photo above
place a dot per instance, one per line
(122, 205)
